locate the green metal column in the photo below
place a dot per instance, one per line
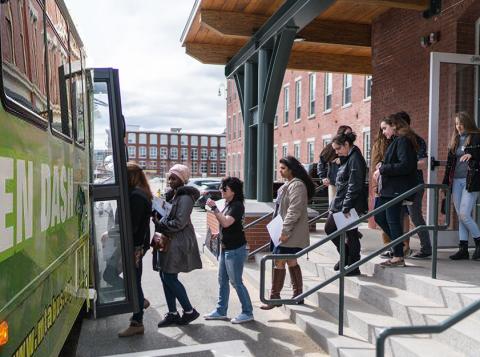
(265, 135)
(249, 138)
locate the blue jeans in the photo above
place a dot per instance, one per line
(138, 316)
(464, 202)
(390, 221)
(174, 290)
(230, 269)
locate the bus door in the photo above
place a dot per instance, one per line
(114, 270)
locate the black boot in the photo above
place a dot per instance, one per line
(462, 251)
(476, 254)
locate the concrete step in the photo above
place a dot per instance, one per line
(362, 321)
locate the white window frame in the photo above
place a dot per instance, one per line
(347, 90)
(284, 150)
(310, 150)
(367, 95)
(132, 152)
(152, 152)
(312, 88)
(286, 104)
(297, 147)
(173, 153)
(142, 152)
(164, 153)
(298, 100)
(328, 92)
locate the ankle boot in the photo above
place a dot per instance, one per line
(462, 251)
(476, 254)
(277, 286)
(297, 281)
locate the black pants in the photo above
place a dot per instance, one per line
(352, 243)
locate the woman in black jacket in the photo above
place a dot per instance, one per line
(396, 174)
(350, 193)
(463, 176)
(140, 211)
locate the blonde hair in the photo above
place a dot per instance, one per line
(137, 178)
(470, 128)
(379, 147)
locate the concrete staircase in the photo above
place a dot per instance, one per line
(382, 298)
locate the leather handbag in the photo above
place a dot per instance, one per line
(160, 242)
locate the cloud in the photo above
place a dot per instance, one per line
(161, 86)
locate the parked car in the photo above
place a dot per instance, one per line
(209, 190)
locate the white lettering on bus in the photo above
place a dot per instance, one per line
(6, 203)
(55, 219)
(63, 194)
(46, 196)
(24, 200)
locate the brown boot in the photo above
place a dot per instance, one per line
(297, 281)
(277, 286)
(135, 328)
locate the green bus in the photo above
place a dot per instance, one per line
(64, 212)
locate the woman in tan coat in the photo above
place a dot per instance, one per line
(292, 203)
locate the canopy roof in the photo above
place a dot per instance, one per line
(338, 39)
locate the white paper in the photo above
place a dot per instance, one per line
(220, 205)
(161, 206)
(342, 221)
(275, 228)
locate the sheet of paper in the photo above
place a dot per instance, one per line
(275, 228)
(161, 206)
(220, 205)
(342, 221)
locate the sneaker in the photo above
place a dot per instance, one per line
(135, 328)
(386, 255)
(392, 264)
(242, 318)
(170, 319)
(420, 255)
(188, 317)
(214, 315)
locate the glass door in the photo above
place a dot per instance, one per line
(113, 264)
(453, 88)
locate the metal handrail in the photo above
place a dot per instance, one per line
(409, 330)
(342, 232)
(266, 245)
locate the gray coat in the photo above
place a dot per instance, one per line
(183, 254)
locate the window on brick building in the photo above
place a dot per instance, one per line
(234, 129)
(347, 89)
(284, 150)
(298, 99)
(152, 164)
(204, 141)
(194, 168)
(142, 164)
(239, 165)
(194, 153)
(296, 150)
(203, 167)
(184, 154)
(163, 168)
(193, 140)
(173, 153)
(275, 159)
(368, 87)
(326, 142)
(153, 152)
(328, 91)
(310, 151)
(286, 104)
(275, 118)
(204, 154)
(163, 153)
(223, 154)
(163, 139)
(366, 147)
(213, 154)
(223, 142)
(312, 83)
(153, 139)
(132, 138)
(131, 152)
(173, 139)
(184, 140)
(240, 123)
(223, 168)
(214, 141)
(142, 151)
(213, 168)
(142, 138)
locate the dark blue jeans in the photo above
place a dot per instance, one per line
(174, 290)
(138, 316)
(390, 221)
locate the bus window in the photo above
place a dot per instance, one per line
(78, 103)
(104, 171)
(59, 79)
(23, 60)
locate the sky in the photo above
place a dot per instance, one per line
(161, 86)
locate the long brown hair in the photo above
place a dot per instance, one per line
(379, 147)
(402, 129)
(328, 153)
(137, 178)
(470, 128)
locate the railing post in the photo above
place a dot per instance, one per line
(341, 285)
(435, 233)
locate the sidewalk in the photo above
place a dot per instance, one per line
(272, 333)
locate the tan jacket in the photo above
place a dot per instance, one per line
(293, 209)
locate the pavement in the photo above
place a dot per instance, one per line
(271, 334)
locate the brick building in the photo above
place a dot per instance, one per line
(311, 107)
(157, 151)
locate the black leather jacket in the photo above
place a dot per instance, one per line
(350, 184)
(473, 170)
(399, 168)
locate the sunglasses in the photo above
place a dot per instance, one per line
(224, 189)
